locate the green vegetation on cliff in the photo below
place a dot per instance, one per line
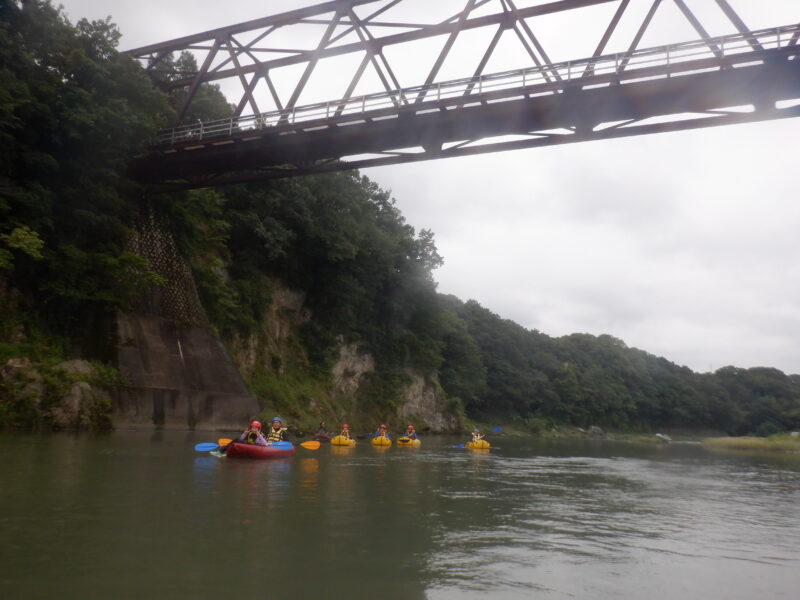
(73, 112)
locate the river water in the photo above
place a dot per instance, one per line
(141, 515)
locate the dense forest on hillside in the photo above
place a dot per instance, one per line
(72, 114)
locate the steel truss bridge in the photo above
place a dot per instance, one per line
(740, 77)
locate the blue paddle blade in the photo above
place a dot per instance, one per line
(460, 446)
(496, 429)
(206, 446)
(282, 445)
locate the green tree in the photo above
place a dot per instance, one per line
(72, 113)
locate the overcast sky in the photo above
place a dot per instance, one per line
(682, 244)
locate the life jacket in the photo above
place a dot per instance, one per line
(345, 433)
(276, 435)
(251, 437)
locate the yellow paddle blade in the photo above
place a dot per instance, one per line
(223, 441)
(311, 445)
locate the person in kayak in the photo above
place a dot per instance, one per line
(277, 432)
(411, 432)
(253, 435)
(322, 432)
(346, 432)
(381, 432)
(476, 435)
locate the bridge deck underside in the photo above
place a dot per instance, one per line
(589, 109)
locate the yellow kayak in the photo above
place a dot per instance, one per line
(406, 441)
(479, 445)
(340, 440)
(381, 441)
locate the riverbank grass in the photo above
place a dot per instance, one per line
(781, 442)
(637, 438)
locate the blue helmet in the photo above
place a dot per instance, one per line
(276, 419)
(475, 431)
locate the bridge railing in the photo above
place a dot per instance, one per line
(473, 89)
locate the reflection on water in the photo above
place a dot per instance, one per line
(133, 514)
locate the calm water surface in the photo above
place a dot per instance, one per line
(141, 515)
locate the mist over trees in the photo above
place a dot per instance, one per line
(72, 114)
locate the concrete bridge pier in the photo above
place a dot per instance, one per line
(181, 377)
(179, 373)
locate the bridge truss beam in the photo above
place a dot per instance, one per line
(742, 77)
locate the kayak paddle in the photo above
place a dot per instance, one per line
(206, 446)
(224, 441)
(311, 445)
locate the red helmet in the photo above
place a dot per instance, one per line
(410, 427)
(256, 424)
(383, 427)
(345, 426)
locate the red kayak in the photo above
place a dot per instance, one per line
(277, 450)
(322, 437)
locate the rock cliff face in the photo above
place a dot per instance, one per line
(424, 401)
(275, 345)
(65, 395)
(183, 377)
(349, 370)
(272, 347)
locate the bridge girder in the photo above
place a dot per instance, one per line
(560, 103)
